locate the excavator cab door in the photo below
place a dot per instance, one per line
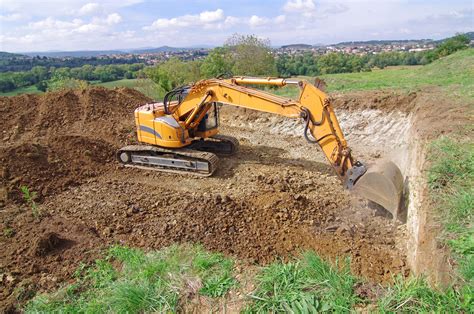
(210, 121)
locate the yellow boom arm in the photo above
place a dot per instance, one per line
(312, 105)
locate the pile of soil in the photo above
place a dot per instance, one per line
(56, 140)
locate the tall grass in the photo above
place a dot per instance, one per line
(451, 184)
(306, 285)
(143, 282)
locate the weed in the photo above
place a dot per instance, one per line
(303, 285)
(8, 232)
(414, 296)
(29, 198)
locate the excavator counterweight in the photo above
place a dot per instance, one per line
(181, 134)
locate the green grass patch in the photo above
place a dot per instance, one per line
(451, 184)
(413, 295)
(144, 86)
(23, 90)
(142, 282)
(309, 284)
(453, 74)
(129, 280)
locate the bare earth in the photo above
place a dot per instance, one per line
(275, 198)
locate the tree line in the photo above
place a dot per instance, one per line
(250, 55)
(19, 63)
(41, 76)
(240, 55)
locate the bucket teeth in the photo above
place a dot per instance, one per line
(382, 184)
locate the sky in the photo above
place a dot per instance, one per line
(66, 25)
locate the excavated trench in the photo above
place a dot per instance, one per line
(275, 198)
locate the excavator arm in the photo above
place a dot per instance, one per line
(174, 130)
(312, 105)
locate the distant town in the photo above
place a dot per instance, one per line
(152, 56)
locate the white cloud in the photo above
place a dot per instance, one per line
(256, 21)
(90, 8)
(203, 19)
(299, 6)
(336, 8)
(88, 28)
(11, 17)
(211, 16)
(280, 19)
(231, 21)
(51, 23)
(113, 18)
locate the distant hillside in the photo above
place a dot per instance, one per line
(8, 55)
(402, 41)
(76, 54)
(159, 49)
(469, 34)
(297, 46)
(382, 42)
(95, 53)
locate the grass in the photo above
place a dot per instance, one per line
(451, 184)
(142, 282)
(145, 86)
(306, 285)
(413, 295)
(129, 280)
(23, 90)
(453, 74)
(29, 198)
(8, 232)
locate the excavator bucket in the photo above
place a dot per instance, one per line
(382, 184)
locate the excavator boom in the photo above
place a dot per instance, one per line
(182, 127)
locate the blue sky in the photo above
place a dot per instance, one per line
(43, 25)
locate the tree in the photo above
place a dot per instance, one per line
(174, 73)
(6, 85)
(217, 62)
(453, 44)
(60, 81)
(40, 72)
(251, 55)
(42, 86)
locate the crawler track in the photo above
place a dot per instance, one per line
(186, 161)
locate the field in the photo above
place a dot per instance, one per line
(272, 231)
(24, 90)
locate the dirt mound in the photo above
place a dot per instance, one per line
(96, 112)
(56, 140)
(47, 168)
(381, 100)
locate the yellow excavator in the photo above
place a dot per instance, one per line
(180, 134)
